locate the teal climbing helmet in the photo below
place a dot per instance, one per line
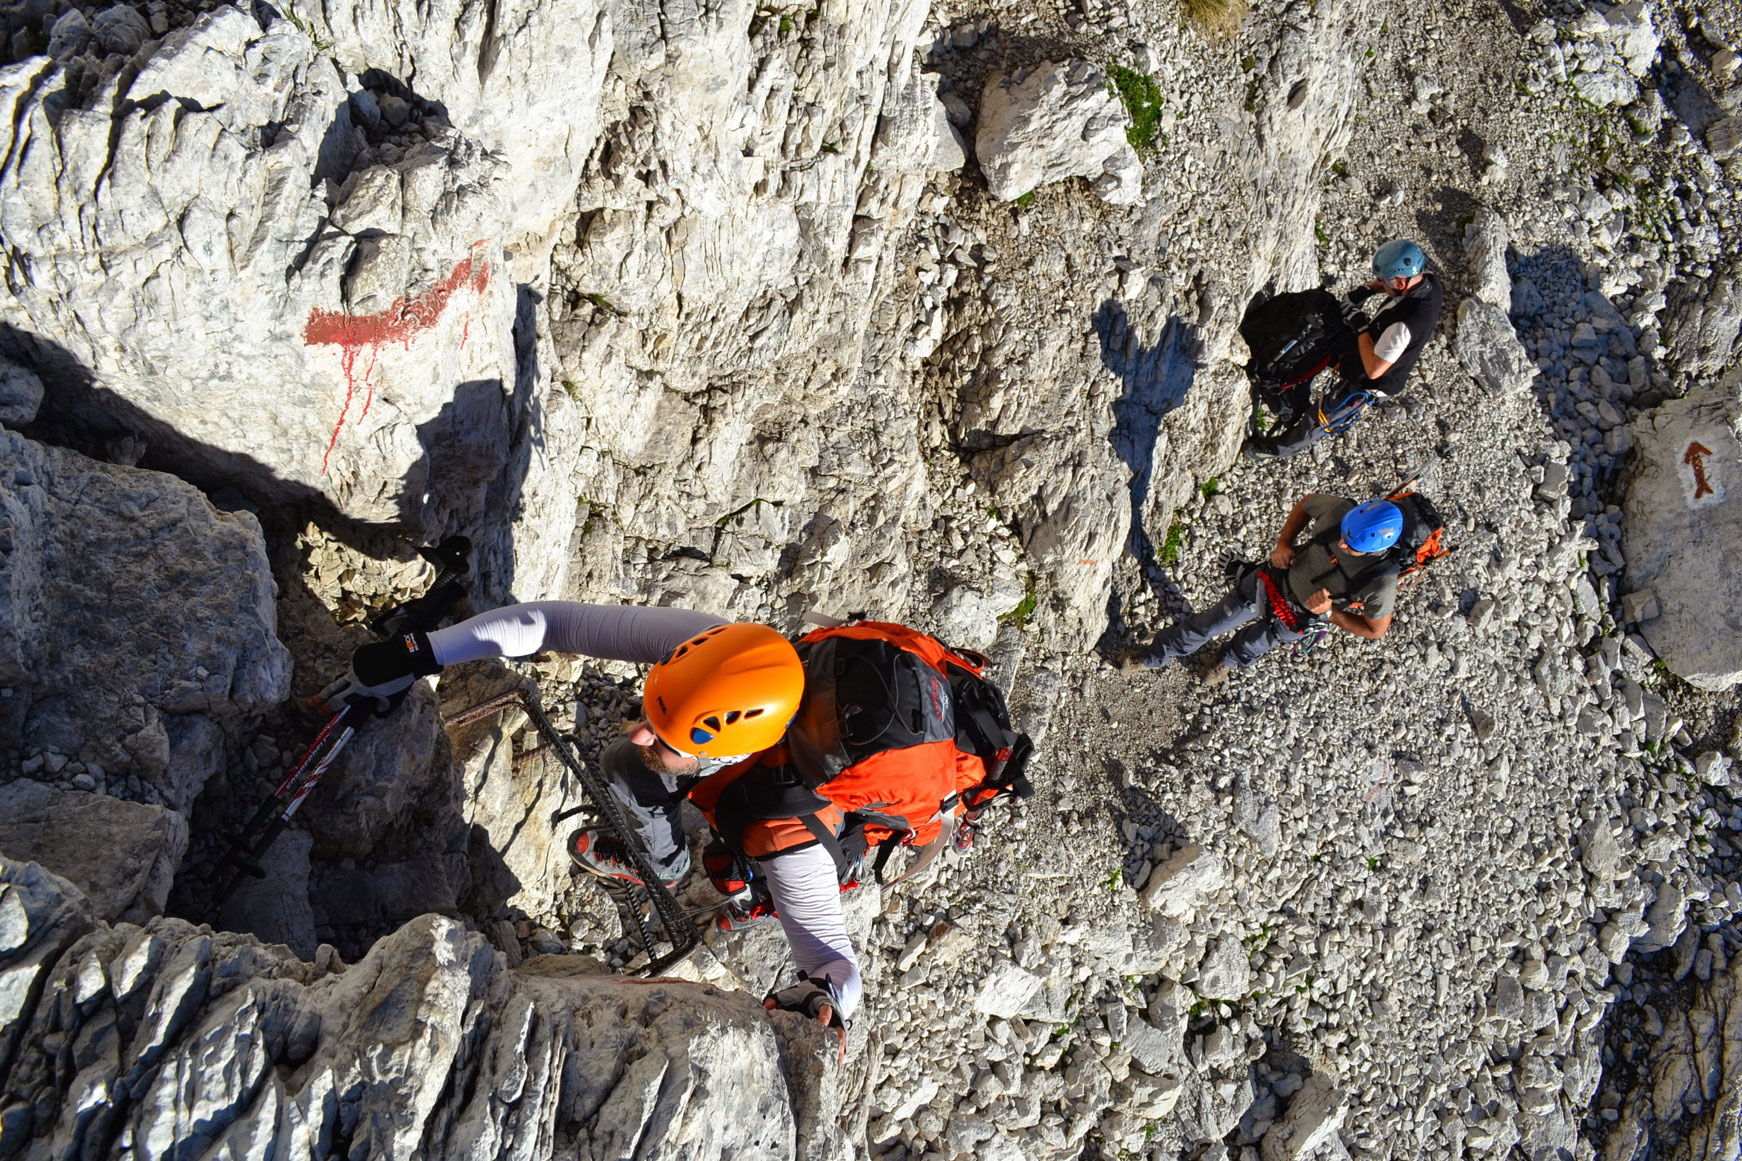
(1398, 259)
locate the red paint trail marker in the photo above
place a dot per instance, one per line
(1696, 459)
(400, 323)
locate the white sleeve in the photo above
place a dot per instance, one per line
(807, 894)
(1392, 343)
(611, 632)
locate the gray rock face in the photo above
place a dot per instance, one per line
(1052, 121)
(354, 266)
(1688, 1102)
(20, 393)
(136, 624)
(212, 1041)
(1683, 513)
(122, 855)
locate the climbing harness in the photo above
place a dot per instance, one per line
(1280, 606)
(1345, 414)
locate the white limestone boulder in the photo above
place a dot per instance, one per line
(1682, 518)
(1052, 121)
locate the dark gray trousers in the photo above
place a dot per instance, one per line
(652, 804)
(1245, 606)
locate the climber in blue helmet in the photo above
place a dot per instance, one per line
(1386, 350)
(1345, 575)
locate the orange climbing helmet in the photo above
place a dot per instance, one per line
(726, 692)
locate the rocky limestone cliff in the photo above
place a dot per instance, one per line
(167, 1040)
(720, 304)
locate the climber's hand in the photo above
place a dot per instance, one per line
(381, 674)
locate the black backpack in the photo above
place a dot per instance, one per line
(1293, 337)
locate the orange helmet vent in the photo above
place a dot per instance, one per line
(725, 692)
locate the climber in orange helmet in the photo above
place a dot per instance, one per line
(718, 693)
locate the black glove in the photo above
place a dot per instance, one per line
(382, 672)
(1361, 294)
(808, 998)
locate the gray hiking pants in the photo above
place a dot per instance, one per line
(651, 803)
(1245, 606)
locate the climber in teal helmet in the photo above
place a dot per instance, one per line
(1386, 350)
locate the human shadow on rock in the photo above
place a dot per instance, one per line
(1440, 227)
(1154, 832)
(1154, 380)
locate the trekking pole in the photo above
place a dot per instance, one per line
(245, 850)
(244, 853)
(1428, 465)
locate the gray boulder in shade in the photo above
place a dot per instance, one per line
(120, 29)
(20, 394)
(122, 855)
(1052, 121)
(1682, 521)
(275, 908)
(137, 623)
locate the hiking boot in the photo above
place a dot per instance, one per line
(1137, 661)
(1259, 449)
(601, 853)
(1215, 673)
(740, 914)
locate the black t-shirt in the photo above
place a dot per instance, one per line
(1419, 311)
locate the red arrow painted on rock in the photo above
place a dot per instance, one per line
(1696, 459)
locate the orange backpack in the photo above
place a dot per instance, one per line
(897, 738)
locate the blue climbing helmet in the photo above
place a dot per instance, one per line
(1373, 526)
(1398, 259)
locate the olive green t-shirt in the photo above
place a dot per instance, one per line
(1321, 565)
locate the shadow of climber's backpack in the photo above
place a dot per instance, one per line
(898, 741)
(1292, 338)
